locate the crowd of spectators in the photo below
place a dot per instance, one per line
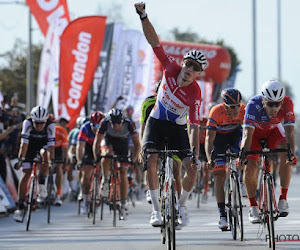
(11, 118)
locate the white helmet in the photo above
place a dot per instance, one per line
(39, 113)
(80, 120)
(197, 56)
(273, 91)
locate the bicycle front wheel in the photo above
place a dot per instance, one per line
(171, 217)
(238, 208)
(94, 197)
(49, 196)
(270, 214)
(31, 201)
(229, 209)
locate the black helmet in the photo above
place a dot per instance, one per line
(116, 115)
(231, 96)
(157, 86)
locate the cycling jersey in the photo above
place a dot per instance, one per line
(61, 137)
(228, 131)
(147, 106)
(128, 128)
(37, 140)
(73, 137)
(87, 135)
(256, 116)
(222, 123)
(174, 102)
(270, 129)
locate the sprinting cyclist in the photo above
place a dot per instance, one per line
(61, 148)
(114, 131)
(178, 96)
(84, 155)
(263, 117)
(72, 173)
(37, 136)
(224, 128)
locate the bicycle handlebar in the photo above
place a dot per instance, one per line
(267, 151)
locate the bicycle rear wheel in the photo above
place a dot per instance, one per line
(171, 217)
(238, 208)
(270, 213)
(31, 201)
(198, 186)
(115, 202)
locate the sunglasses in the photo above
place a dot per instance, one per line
(273, 104)
(195, 66)
(95, 125)
(39, 123)
(233, 106)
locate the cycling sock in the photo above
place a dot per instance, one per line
(42, 179)
(154, 198)
(59, 191)
(221, 207)
(183, 197)
(283, 193)
(252, 201)
(206, 188)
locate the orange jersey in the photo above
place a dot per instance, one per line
(61, 137)
(219, 120)
(202, 130)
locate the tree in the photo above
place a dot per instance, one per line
(13, 74)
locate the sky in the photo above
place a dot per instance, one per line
(212, 20)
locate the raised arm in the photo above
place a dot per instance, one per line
(148, 29)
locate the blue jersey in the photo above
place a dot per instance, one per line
(73, 136)
(256, 116)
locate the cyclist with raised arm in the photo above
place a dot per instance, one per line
(114, 131)
(224, 128)
(84, 155)
(37, 137)
(263, 117)
(178, 96)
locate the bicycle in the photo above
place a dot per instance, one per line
(95, 194)
(233, 197)
(133, 192)
(168, 194)
(31, 189)
(267, 206)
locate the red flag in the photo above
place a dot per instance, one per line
(80, 47)
(46, 10)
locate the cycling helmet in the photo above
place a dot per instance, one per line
(129, 107)
(116, 115)
(231, 96)
(157, 86)
(96, 117)
(273, 91)
(39, 113)
(80, 120)
(197, 56)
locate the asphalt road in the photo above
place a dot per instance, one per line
(70, 231)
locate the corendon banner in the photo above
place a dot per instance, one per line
(45, 11)
(218, 59)
(80, 47)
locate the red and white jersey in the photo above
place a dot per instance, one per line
(174, 102)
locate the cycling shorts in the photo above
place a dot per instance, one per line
(58, 155)
(273, 137)
(118, 145)
(233, 139)
(157, 131)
